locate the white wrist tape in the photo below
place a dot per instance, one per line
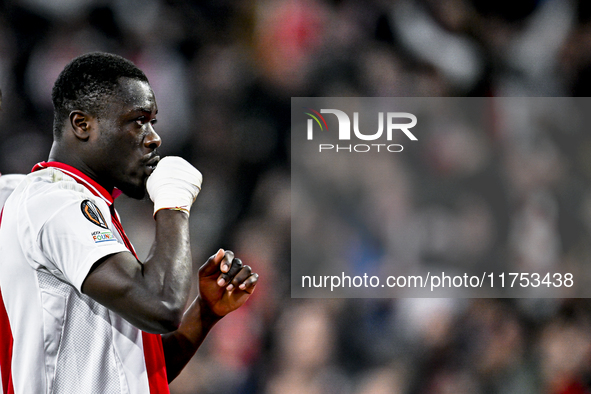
(174, 184)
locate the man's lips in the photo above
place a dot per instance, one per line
(151, 164)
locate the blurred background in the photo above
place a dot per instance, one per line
(493, 184)
(223, 73)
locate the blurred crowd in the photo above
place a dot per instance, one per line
(223, 73)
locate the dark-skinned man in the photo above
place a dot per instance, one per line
(83, 314)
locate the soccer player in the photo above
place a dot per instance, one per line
(79, 313)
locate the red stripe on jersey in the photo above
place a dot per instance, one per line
(5, 350)
(153, 350)
(81, 178)
(155, 364)
(5, 345)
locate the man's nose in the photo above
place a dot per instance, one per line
(152, 140)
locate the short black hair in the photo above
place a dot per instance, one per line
(86, 82)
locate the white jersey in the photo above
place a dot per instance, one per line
(54, 227)
(7, 184)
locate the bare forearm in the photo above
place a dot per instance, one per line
(167, 270)
(181, 345)
(152, 296)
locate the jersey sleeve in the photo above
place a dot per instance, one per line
(76, 236)
(7, 184)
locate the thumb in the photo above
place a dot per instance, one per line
(212, 264)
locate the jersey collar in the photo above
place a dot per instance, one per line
(82, 179)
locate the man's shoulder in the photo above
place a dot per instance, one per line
(45, 192)
(10, 181)
(7, 185)
(50, 181)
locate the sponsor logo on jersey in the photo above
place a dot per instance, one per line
(103, 236)
(92, 213)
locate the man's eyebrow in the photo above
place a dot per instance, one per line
(142, 109)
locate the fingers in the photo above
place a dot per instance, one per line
(250, 282)
(212, 265)
(230, 267)
(232, 273)
(244, 280)
(227, 261)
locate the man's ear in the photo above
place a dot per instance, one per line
(82, 124)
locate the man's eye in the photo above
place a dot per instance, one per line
(142, 120)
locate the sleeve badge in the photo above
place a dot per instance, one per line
(93, 214)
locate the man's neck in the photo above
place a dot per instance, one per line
(62, 155)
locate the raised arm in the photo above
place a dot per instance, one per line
(152, 295)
